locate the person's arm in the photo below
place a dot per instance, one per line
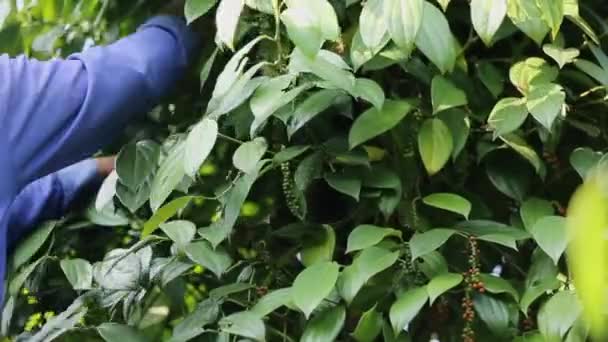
(52, 196)
(57, 112)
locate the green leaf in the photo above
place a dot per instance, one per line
(325, 326)
(370, 91)
(361, 53)
(552, 12)
(369, 326)
(406, 308)
(366, 236)
(404, 20)
(180, 232)
(531, 72)
(272, 301)
(501, 239)
(197, 8)
(320, 247)
(134, 199)
(422, 244)
(374, 122)
(450, 202)
(199, 144)
(560, 55)
(534, 209)
(217, 261)
(314, 105)
(491, 77)
(494, 313)
(433, 264)
(27, 248)
(508, 115)
(533, 292)
(114, 332)
(441, 284)
(521, 146)
(584, 160)
(79, 273)
(487, 17)
(545, 103)
(170, 174)
(435, 144)
(249, 154)
(347, 183)
(163, 214)
(309, 169)
(227, 18)
(512, 178)
(526, 15)
(368, 263)
(372, 23)
(551, 235)
(436, 40)
(245, 324)
(206, 70)
(136, 163)
(558, 315)
(304, 29)
(458, 122)
(106, 193)
(313, 284)
(497, 285)
(194, 323)
(290, 153)
(327, 66)
(444, 4)
(446, 95)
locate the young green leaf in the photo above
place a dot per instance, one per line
(313, 284)
(584, 160)
(487, 16)
(164, 213)
(527, 17)
(404, 19)
(326, 326)
(372, 23)
(406, 307)
(532, 72)
(560, 55)
(199, 144)
(369, 326)
(552, 12)
(423, 243)
(249, 154)
(441, 284)
(508, 115)
(435, 38)
(180, 232)
(366, 236)
(79, 273)
(558, 315)
(195, 9)
(227, 19)
(446, 95)
(435, 144)
(551, 235)
(545, 103)
(450, 202)
(375, 122)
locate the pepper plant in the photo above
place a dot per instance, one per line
(392, 170)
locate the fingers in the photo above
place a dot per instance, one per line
(105, 165)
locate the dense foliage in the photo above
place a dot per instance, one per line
(391, 170)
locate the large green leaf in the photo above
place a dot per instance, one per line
(534, 209)
(551, 235)
(450, 202)
(435, 144)
(314, 284)
(441, 284)
(216, 260)
(245, 324)
(460, 126)
(197, 8)
(584, 160)
(272, 301)
(114, 332)
(487, 17)
(325, 326)
(164, 213)
(494, 313)
(423, 243)
(532, 293)
(560, 55)
(508, 115)
(374, 122)
(227, 18)
(320, 247)
(168, 177)
(531, 72)
(372, 23)
(348, 183)
(445, 94)
(370, 91)
(136, 162)
(552, 12)
(199, 144)
(558, 315)
(194, 323)
(366, 236)
(545, 103)
(304, 28)
(314, 105)
(404, 20)
(248, 155)
(435, 39)
(368, 263)
(406, 308)
(497, 285)
(526, 15)
(27, 248)
(369, 326)
(361, 53)
(180, 232)
(327, 66)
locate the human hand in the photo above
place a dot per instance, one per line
(105, 165)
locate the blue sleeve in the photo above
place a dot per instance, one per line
(49, 198)
(57, 112)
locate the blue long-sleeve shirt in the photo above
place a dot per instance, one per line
(55, 113)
